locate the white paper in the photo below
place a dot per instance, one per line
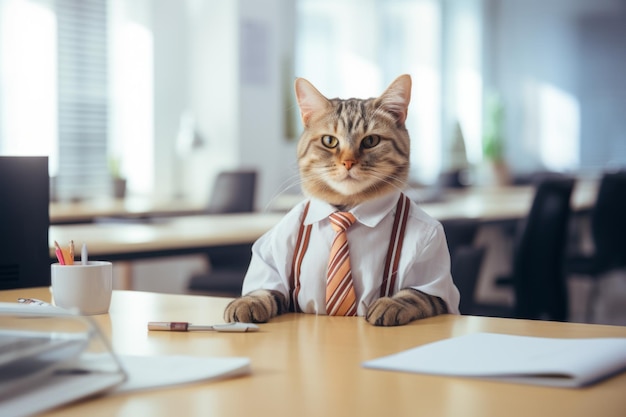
(148, 372)
(533, 360)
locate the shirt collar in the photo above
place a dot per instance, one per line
(369, 213)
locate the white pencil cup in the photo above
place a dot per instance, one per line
(87, 288)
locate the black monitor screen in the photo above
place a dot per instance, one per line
(24, 222)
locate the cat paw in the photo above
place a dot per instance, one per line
(407, 305)
(257, 307)
(387, 311)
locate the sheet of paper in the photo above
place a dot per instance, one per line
(148, 372)
(534, 360)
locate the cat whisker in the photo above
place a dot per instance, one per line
(393, 181)
(288, 183)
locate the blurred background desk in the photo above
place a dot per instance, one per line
(163, 236)
(489, 204)
(158, 237)
(141, 230)
(499, 203)
(311, 365)
(130, 207)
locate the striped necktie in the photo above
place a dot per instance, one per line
(340, 296)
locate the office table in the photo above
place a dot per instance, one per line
(306, 365)
(162, 236)
(71, 212)
(489, 204)
(125, 241)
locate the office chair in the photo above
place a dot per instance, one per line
(466, 259)
(608, 233)
(538, 276)
(233, 192)
(466, 264)
(460, 232)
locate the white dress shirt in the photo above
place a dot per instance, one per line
(424, 260)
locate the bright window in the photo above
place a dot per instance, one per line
(76, 84)
(355, 48)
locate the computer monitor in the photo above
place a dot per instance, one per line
(24, 222)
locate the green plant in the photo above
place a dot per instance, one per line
(493, 137)
(115, 167)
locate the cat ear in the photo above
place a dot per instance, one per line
(309, 99)
(396, 97)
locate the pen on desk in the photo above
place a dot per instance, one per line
(34, 301)
(180, 326)
(59, 253)
(83, 255)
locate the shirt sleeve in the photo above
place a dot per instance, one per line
(270, 265)
(429, 270)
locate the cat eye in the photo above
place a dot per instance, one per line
(330, 141)
(370, 141)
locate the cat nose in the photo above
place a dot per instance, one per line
(348, 163)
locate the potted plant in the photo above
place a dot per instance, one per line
(493, 141)
(117, 179)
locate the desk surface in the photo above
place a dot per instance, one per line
(490, 203)
(306, 365)
(187, 234)
(174, 235)
(130, 207)
(493, 204)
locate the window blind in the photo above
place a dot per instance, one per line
(83, 98)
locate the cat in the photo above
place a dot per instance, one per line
(353, 155)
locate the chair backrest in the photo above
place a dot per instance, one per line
(608, 222)
(465, 258)
(233, 192)
(538, 276)
(460, 232)
(466, 265)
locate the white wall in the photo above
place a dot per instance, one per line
(232, 78)
(266, 36)
(202, 66)
(171, 90)
(541, 56)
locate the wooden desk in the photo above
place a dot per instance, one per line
(165, 236)
(497, 204)
(189, 234)
(130, 207)
(306, 365)
(489, 204)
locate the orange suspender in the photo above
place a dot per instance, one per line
(392, 261)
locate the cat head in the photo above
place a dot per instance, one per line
(353, 150)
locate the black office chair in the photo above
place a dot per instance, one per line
(608, 232)
(460, 232)
(233, 192)
(466, 259)
(538, 278)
